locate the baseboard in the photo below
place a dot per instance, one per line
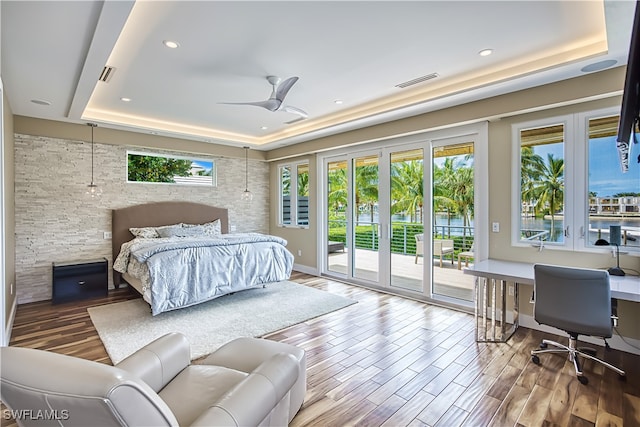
(306, 269)
(9, 328)
(614, 342)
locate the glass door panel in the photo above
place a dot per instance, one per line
(453, 232)
(406, 203)
(366, 229)
(337, 204)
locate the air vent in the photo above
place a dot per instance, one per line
(107, 73)
(417, 80)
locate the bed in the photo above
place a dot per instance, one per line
(183, 254)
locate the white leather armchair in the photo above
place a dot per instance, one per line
(157, 386)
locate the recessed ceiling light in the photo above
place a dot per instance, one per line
(264, 128)
(597, 66)
(485, 52)
(338, 101)
(41, 102)
(124, 99)
(170, 44)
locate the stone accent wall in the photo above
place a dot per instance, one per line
(56, 221)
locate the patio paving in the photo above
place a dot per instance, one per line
(448, 280)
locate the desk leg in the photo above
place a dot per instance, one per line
(493, 324)
(503, 318)
(485, 307)
(516, 307)
(480, 311)
(476, 306)
(493, 309)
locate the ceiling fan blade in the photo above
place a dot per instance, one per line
(269, 104)
(284, 88)
(295, 110)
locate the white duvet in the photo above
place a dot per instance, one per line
(183, 271)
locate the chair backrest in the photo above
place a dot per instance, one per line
(576, 300)
(447, 243)
(419, 243)
(76, 392)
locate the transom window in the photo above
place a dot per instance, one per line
(164, 169)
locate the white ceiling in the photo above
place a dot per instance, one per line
(349, 50)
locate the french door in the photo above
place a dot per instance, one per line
(375, 209)
(406, 216)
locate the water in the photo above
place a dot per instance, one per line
(598, 228)
(440, 219)
(456, 223)
(457, 226)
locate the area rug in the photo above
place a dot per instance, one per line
(126, 326)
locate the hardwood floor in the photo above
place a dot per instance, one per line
(391, 361)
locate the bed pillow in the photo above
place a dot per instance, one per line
(151, 232)
(181, 231)
(210, 229)
(146, 232)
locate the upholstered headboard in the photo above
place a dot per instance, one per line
(157, 214)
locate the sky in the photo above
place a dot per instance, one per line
(204, 164)
(605, 175)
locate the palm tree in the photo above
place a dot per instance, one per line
(337, 188)
(407, 188)
(303, 184)
(531, 165)
(460, 186)
(442, 195)
(366, 184)
(547, 188)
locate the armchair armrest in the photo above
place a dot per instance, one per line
(160, 361)
(261, 391)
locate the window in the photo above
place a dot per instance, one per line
(571, 186)
(158, 168)
(542, 183)
(294, 194)
(613, 196)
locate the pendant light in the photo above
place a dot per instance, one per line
(92, 189)
(246, 196)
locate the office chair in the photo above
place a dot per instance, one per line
(578, 301)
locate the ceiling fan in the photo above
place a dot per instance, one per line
(275, 101)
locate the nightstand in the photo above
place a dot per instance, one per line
(75, 280)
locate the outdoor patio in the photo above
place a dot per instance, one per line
(406, 274)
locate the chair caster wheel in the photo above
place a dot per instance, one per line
(543, 345)
(535, 359)
(583, 380)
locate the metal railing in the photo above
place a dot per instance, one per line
(402, 235)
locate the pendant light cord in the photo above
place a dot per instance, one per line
(246, 169)
(92, 126)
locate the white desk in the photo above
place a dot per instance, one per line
(494, 322)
